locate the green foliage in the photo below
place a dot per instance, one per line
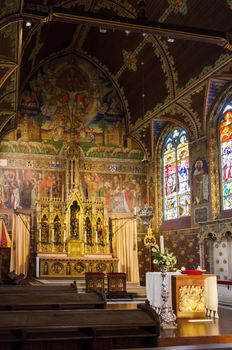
(166, 258)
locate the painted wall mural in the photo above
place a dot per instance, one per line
(121, 193)
(70, 98)
(200, 182)
(70, 95)
(69, 104)
(21, 188)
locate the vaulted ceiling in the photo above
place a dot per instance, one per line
(169, 59)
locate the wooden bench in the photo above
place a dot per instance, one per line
(45, 289)
(18, 289)
(54, 301)
(79, 329)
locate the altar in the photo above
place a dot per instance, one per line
(153, 291)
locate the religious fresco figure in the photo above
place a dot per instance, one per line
(200, 183)
(121, 193)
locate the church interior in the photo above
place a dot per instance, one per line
(115, 162)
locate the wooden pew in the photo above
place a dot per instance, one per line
(52, 301)
(23, 289)
(78, 329)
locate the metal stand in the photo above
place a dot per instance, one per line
(167, 316)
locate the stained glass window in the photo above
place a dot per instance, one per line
(176, 175)
(225, 131)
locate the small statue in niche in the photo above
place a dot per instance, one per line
(99, 232)
(44, 229)
(57, 230)
(74, 221)
(88, 229)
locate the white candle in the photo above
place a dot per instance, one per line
(135, 210)
(37, 266)
(162, 243)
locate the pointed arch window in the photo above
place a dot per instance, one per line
(176, 190)
(225, 135)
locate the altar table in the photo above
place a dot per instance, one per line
(153, 292)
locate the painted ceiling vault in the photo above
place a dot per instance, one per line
(167, 59)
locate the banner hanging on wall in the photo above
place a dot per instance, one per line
(5, 241)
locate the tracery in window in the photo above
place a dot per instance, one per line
(176, 175)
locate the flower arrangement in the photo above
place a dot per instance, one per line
(166, 257)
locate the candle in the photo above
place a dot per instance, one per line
(135, 210)
(96, 236)
(162, 243)
(37, 266)
(62, 195)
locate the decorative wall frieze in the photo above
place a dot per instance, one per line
(111, 166)
(23, 161)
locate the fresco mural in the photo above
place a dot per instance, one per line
(121, 192)
(21, 188)
(69, 104)
(200, 182)
(70, 96)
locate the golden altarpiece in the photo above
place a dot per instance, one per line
(72, 232)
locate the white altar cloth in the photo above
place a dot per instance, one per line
(153, 291)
